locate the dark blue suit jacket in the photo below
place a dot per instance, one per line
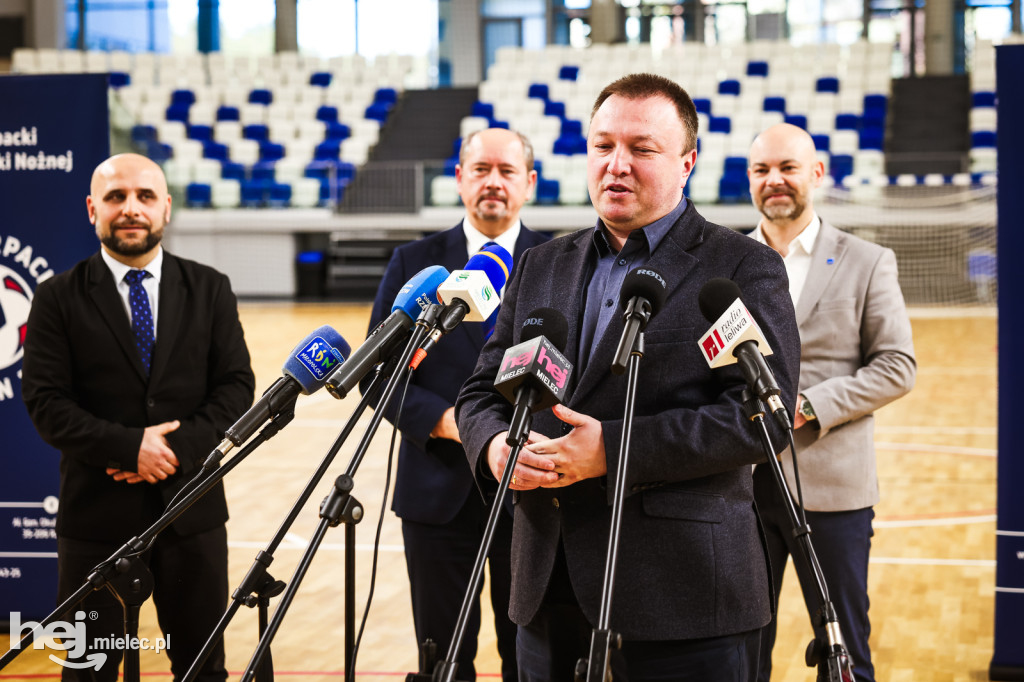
(433, 477)
(691, 563)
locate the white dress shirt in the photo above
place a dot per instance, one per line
(151, 283)
(798, 258)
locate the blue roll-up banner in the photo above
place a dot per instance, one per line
(54, 130)
(1008, 653)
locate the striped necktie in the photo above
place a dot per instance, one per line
(142, 316)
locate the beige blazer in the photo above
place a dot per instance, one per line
(857, 354)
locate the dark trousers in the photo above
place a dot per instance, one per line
(440, 560)
(842, 542)
(190, 591)
(559, 636)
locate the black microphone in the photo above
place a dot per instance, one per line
(642, 295)
(534, 374)
(735, 337)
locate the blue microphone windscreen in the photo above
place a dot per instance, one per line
(420, 291)
(315, 357)
(496, 263)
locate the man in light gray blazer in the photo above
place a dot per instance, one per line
(857, 354)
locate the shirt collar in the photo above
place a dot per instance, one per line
(475, 239)
(119, 269)
(805, 239)
(653, 232)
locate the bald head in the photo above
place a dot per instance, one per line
(133, 165)
(784, 171)
(129, 205)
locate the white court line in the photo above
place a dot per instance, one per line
(923, 313)
(945, 430)
(924, 561)
(945, 521)
(947, 449)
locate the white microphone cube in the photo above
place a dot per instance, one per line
(474, 288)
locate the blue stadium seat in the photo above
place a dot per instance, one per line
(177, 112)
(757, 68)
(703, 105)
(198, 195)
(553, 108)
(569, 73)
(483, 110)
(571, 126)
(263, 171)
(847, 122)
(983, 99)
(538, 90)
(567, 145)
(320, 79)
(719, 124)
(203, 133)
(327, 114)
(327, 150)
(734, 188)
(547, 191)
(143, 133)
(387, 96)
(226, 113)
(729, 86)
(538, 166)
(775, 104)
(983, 138)
(449, 165)
(118, 79)
(271, 151)
(378, 111)
(337, 131)
(827, 84)
(875, 105)
(254, 193)
(872, 138)
(183, 96)
(158, 151)
(260, 96)
(798, 120)
(821, 143)
(495, 123)
(279, 195)
(735, 165)
(840, 165)
(215, 150)
(256, 131)
(229, 170)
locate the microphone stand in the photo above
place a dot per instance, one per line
(516, 439)
(596, 666)
(258, 586)
(830, 656)
(125, 575)
(340, 507)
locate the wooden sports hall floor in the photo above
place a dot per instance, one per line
(931, 576)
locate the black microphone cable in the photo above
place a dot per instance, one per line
(380, 524)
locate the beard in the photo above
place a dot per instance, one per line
(123, 247)
(491, 207)
(783, 211)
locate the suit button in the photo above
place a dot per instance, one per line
(150, 402)
(554, 502)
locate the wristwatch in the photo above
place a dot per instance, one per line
(806, 410)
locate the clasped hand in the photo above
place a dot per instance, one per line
(553, 462)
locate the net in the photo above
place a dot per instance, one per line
(944, 237)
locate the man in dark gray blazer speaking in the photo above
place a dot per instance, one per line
(857, 355)
(693, 589)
